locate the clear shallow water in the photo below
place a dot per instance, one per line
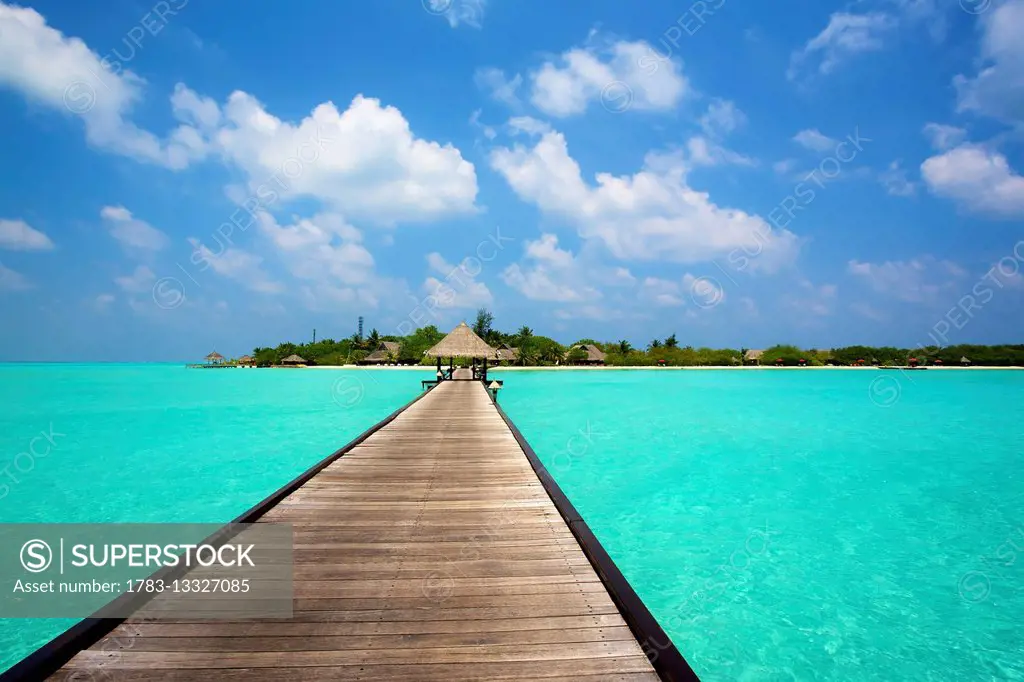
(803, 525)
(161, 443)
(892, 527)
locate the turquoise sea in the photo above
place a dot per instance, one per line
(162, 443)
(803, 524)
(780, 524)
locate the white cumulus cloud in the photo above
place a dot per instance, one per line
(651, 215)
(977, 179)
(62, 72)
(568, 84)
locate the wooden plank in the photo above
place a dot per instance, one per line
(198, 660)
(430, 551)
(404, 588)
(569, 669)
(202, 641)
(132, 631)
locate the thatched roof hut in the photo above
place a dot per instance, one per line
(293, 360)
(247, 360)
(387, 351)
(964, 361)
(462, 342)
(753, 356)
(215, 358)
(595, 356)
(507, 353)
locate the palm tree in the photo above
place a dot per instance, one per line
(625, 347)
(552, 353)
(655, 344)
(373, 340)
(671, 342)
(527, 352)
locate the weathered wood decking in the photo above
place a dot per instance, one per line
(429, 551)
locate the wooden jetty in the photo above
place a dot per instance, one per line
(433, 547)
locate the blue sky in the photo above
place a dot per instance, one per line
(186, 176)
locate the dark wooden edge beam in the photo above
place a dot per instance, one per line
(50, 657)
(661, 652)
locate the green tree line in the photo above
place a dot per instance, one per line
(536, 350)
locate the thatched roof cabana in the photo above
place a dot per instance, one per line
(964, 361)
(293, 360)
(753, 356)
(215, 358)
(595, 355)
(383, 354)
(247, 360)
(462, 342)
(507, 353)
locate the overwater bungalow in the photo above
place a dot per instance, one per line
(595, 356)
(215, 358)
(752, 357)
(386, 352)
(293, 361)
(247, 361)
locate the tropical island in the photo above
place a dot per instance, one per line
(525, 349)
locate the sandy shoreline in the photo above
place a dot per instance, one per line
(427, 368)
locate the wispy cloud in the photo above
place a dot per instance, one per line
(845, 36)
(17, 235)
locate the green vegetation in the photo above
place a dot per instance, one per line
(535, 350)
